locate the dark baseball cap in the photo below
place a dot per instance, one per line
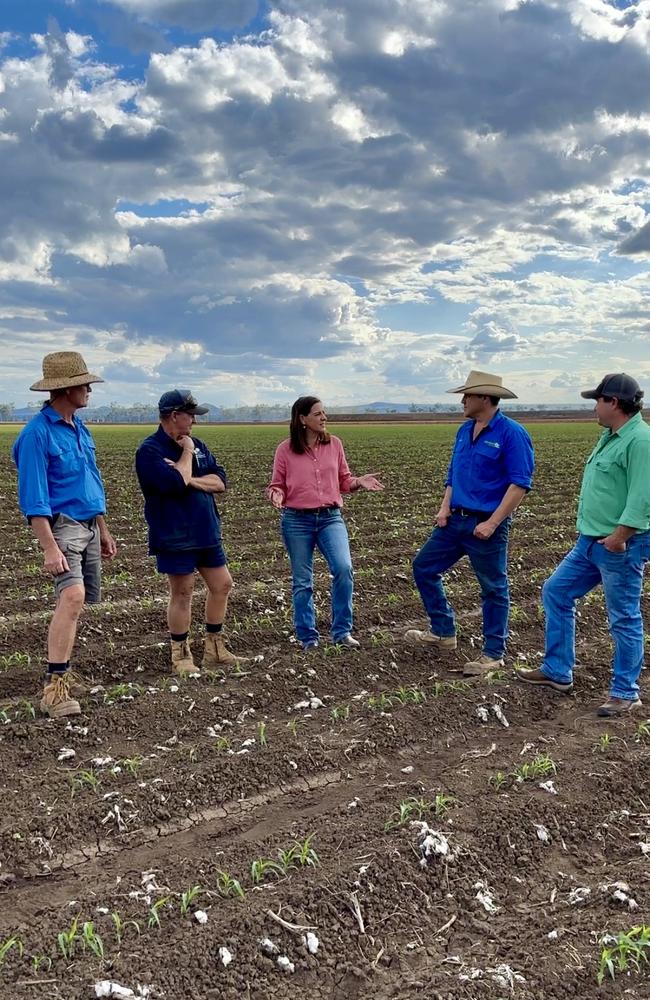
(180, 399)
(619, 386)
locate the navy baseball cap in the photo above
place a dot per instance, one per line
(180, 399)
(619, 386)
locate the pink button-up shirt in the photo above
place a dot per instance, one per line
(314, 479)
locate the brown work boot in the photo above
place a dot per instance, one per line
(182, 662)
(78, 685)
(539, 678)
(215, 652)
(483, 665)
(56, 701)
(618, 706)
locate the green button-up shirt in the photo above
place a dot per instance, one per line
(616, 481)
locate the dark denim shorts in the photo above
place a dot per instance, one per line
(184, 561)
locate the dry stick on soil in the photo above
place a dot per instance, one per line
(356, 911)
(445, 927)
(294, 928)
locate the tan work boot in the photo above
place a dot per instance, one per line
(56, 701)
(484, 665)
(182, 662)
(427, 638)
(215, 652)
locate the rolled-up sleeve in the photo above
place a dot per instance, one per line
(346, 480)
(154, 473)
(520, 458)
(636, 513)
(31, 457)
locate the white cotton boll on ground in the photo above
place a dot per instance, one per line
(312, 942)
(200, 916)
(225, 956)
(285, 964)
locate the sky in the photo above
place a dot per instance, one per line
(363, 199)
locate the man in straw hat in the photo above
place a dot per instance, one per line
(179, 477)
(612, 549)
(61, 493)
(489, 475)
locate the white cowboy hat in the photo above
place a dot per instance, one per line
(484, 384)
(64, 370)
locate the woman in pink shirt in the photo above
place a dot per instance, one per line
(310, 472)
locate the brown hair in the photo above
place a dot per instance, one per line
(297, 432)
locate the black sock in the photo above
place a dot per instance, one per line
(58, 668)
(178, 636)
(213, 629)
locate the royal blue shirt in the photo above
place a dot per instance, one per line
(481, 471)
(57, 468)
(178, 516)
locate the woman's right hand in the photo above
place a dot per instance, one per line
(276, 497)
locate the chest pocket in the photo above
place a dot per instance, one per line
(64, 462)
(488, 451)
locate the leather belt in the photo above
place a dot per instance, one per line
(480, 515)
(312, 510)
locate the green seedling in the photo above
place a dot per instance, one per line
(497, 780)
(262, 868)
(222, 743)
(229, 886)
(4, 717)
(629, 950)
(121, 691)
(603, 743)
(155, 910)
(438, 689)
(305, 853)
(132, 764)
(91, 940)
(341, 713)
(85, 779)
(413, 694)
(38, 960)
(443, 803)
(381, 638)
(9, 945)
(542, 765)
(292, 726)
(407, 811)
(379, 702)
(187, 898)
(642, 731)
(25, 709)
(15, 660)
(496, 676)
(66, 939)
(261, 734)
(120, 926)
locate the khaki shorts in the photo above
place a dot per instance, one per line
(79, 542)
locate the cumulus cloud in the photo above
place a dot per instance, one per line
(344, 161)
(194, 15)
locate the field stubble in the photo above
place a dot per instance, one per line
(332, 825)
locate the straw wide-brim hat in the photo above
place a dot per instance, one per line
(63, 370)
(484, 384)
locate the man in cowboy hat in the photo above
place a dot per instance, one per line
(612, 549)
(179, 477)
(61, 493)
(489, 475)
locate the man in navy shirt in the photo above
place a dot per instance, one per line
(489, 474)
(179, 478)
(61, 493)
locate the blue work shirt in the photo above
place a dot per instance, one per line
(178, 516)
(481, 471)
(57, 468)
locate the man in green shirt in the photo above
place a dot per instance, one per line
(612, 549)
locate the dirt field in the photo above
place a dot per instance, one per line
(293, 793)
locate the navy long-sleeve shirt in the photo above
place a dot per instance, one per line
(178, 516)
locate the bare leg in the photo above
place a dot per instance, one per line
(179, 608)
(219, 583)
(63, 627)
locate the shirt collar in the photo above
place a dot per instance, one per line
(495, 419)
(54, 417)
(627, 427)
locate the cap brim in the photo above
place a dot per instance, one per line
(199, 411)
(589, 394)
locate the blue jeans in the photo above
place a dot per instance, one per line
(302, 533)
(621, 575)
(444, 547)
